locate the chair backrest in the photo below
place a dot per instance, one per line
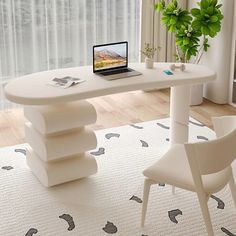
(223, 125)
(212, 156)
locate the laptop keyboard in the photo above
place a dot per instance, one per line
(116, 71)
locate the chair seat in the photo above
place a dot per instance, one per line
(173, 168)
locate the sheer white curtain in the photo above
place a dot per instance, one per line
(38, 35)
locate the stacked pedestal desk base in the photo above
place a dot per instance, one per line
(59, 141)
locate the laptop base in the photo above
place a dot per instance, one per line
(123, 75)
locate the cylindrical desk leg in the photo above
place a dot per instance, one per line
(179, 114)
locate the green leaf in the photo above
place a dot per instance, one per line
(195, 12)
(187, 18)
(179, 42)
(195, 40)
(165, 19)
(171, 28)
(220, 16)
(205, 30)
(205, 40)
(213, 19)
(185, 12)
(196, 25)
(197, 34)
(173, 20)
(204, 4)
(175, 3)
(156, 6)
(188, 56)
(171, 6)
(178, 25)
(214, 2)
(205, 47)
(212, 34)
(210, 10)
(186, 41)
(203, 12)
(215, 27)
(159, 6)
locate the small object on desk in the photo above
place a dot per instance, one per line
(65, 82)
(174, 66)
(168, 72)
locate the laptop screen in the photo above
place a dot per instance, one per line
(110, 56)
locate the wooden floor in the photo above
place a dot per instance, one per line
(117, 110)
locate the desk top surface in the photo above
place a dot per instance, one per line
(33, 89)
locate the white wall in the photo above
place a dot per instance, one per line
(218, 56)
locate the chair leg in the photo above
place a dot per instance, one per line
(146, 190)
(205, 212)
(233, 189)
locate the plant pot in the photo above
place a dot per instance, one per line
(149, 63)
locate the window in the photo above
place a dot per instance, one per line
(38, 35)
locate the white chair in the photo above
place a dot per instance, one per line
(203, 167)
(223, 124)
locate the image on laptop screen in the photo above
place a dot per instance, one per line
(110, 56)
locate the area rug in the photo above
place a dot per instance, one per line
(110, 201)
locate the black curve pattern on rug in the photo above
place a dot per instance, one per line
(227, 232)
(20, 150)
(69, 219)
(110, 228)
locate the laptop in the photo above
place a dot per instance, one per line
(110, 61)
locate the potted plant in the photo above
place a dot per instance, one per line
(149, 53)
(192, 29)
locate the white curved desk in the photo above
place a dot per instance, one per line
(55, 113)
